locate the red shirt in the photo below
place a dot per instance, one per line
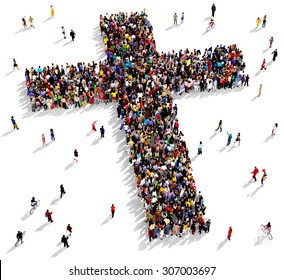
(112, 208)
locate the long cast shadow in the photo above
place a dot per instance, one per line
(58, 252)
(220, 246)
(42, 226)
(106, 220)
(8, 132)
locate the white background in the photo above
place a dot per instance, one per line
(103, 176)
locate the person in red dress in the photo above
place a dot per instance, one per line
(230, 233)
(112, 209)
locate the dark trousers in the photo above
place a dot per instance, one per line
(62, 193)
(112, 214)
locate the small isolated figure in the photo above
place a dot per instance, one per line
(264, 21)
(63, 31)
(69, 230)
(199, 150)
(112, 209)
(230, 136)
(72, 35)
(15, 126)
(31, 21)
(271, 40)
(43, 140)
(219, 126)
(15, 64)
(275, 54)
(264, 176)
(64, 240)
(263, 65)
(230, 233)
(259, 90)
(274, 129)
(51, 11)
(62, 191)
(175, 19)
(94, 126)
(213, 10)
(48, 216)
(102, 131)
(258, 22)
(19, 236)
(24, 23)
(254, 173)
(238, 139)
(76, 155)
(182, 17)
(52, 136)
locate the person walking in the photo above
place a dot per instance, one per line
(20, 236)
(264, 21)
(76, 154)
(48, 216)
(15, 64)
(62, 191)
(175, 19)
(102, 131)
(112, 209)
(275, 54)
(182, 17)
(259, 90)
(64, 240)
(264, 176)
(69, 230)
(219, 126)
(230, 233)
(51, 11)
(213, 10)
(238, 139)
(274, 129)
(247, 80)
(72, 35)
(230, 136)
(263, 65)
(254, 173)
(52, 136)
(15, 126)
(24, 22)
(63, 32)
(199, 149)
(31, 21)
(94, 126)
(258, 22)
(43, 140)
(271, 40)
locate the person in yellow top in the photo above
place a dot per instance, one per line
(51, 11)
(258, 22)
(31, 21)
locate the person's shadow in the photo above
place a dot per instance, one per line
(254, 192)
(248, 183)
(54, 201)
(69, 165)
(264, 51)
(12, 249)
(221, 245)
(223, 149)
(213, 135)
(254, 98)
(41, 148)
(8, 132)
(42, 226)
(268, 138)
(58, 41)
(27, 215)
(67, 43)
(170, 27)
(106, 220)
(58, 252)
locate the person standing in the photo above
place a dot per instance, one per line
(94, 126)
(258, 22)
(48, 216)
(230, 136)
(102, 131)
(199, 150)
(62, 191)
(238, 139)
(274, 129)
(52, 136)
(15, 64)
(264, 176)
(76, 155)
(275, 53)
(72, 35)
(254, 173)
(271, 40)
(43, 140)
(51, 11)
(182, 17)
(64, 240)
(69, 230)
(219, 126)
(263, 65)
(31, 21)
(14, 123)
(19, 236)
(264, 21)
(63, 31)
(24, 23)
(112, 209)
(247, 80)
(175, 19)
(213, 10)
(230, 233)
(260, 90)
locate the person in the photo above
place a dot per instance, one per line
(112, 209)
(213, 10)
(33, 202)
(63, 31)
(102, 131)
(14, 123)
(219, 126)
(94, 126)
(274, 129)
(64, 240)
(271, 40)
(258, 22)
(264, 176)
(31, 21)
(230, 233)
(199, 150)
(259, 90)
(52, 136)
(15, 65)
(247, 80)
(182, 17)
(263, 65)
(76, 155)
(230, 136)
(51, 11)
(275, 53)
(62, 191)
(72, 35)
(238, 139)
(175, 19)
(254, 173)
(268, 227)
(19, 236)
(24, 23)
(69, 229)
(43, 139)
(48, 216)
(211, 23)
(264, 21)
